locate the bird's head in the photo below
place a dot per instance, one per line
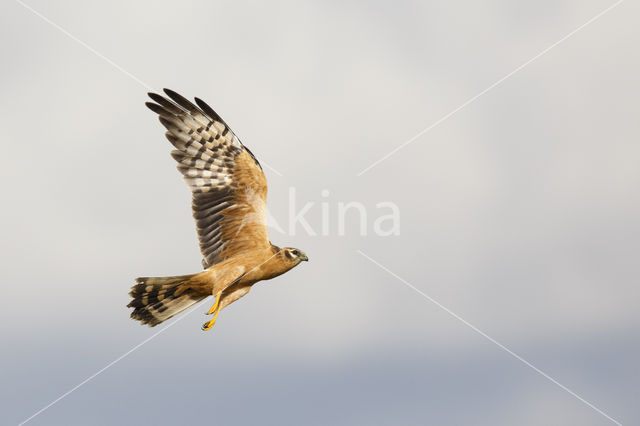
(294, 255)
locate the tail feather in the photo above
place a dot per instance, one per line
(156, 299)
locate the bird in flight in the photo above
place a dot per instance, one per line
(229, 195)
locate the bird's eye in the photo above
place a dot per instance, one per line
(296, 252)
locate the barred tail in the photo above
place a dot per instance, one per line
(156, 299)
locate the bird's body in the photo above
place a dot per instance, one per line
(229, 206)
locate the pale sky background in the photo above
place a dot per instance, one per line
(520, 212)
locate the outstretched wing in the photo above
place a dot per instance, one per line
(227, 182)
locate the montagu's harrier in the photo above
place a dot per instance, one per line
(229, 205)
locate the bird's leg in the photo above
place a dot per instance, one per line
(215, 305)
(207, 325)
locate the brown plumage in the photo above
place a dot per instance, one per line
(229, 206)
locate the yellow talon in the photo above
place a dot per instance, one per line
(215, 305)
(207, 325)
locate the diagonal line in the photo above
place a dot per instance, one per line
(97, 373)
(106, 59)
(124, 355)
(82, 43)
(492, 86)
(271, 168)
(486, 336)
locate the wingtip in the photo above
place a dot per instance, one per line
(165, 122)
(181, 101)
(154, 96)
(169, 92)
(153, 107)
(209, 111)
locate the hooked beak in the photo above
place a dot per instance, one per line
(305, 258)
